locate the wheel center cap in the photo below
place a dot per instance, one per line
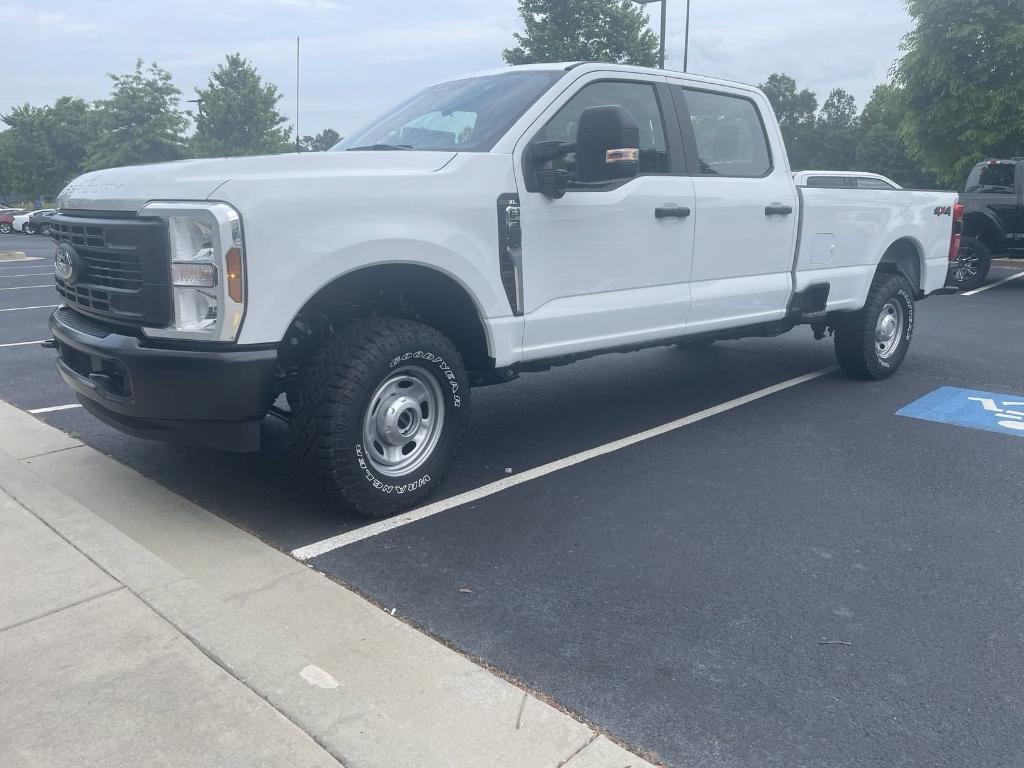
(886, 328)
(399, 420)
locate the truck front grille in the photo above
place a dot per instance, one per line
(124, 268)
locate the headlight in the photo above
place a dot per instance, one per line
(207, 270)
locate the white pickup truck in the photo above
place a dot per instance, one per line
(490, 225)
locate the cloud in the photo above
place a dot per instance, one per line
(38, 23)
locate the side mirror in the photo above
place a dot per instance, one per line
(607, 145)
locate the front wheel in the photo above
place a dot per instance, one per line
(872, 342)
(379, 414)
(46, 230)
(973, 262)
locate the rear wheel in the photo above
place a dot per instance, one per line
(872, 342)
(379, 414)
(28, 229)
(5, 228)
(973, 262)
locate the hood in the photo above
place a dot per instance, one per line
(129, 188)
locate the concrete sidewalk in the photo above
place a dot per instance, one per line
(137, 629)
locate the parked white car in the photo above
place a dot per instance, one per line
(844, 180)
(21, 221)
(491, 225)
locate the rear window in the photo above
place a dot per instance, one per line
(827, 181)
(992, 177)
(864, 182)
(731, 139)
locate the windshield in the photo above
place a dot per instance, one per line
(991, 177)
(459, 116)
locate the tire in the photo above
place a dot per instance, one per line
(46, 230)
(869, 346)
(5, 228)
(363, 460)
(973, 262)
(28, 229)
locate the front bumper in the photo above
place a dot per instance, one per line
(209, 397)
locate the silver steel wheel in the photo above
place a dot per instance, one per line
(965, 267)
(889, 329)
(403, 424)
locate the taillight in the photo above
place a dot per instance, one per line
(958, 228)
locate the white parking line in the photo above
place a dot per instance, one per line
(38, 274)
(26, 287)
(53, 408)
(19, 262)
(1014, 276)
(20, 344)
(374, 529)
(39, 306)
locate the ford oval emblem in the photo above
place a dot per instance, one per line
(65, 263)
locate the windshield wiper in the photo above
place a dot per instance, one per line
(380, 148)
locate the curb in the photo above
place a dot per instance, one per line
(370, 690)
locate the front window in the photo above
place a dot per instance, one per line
(639, 99)
(992, 177)
(459, 116)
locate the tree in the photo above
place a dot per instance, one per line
(238, 113)
(835, 140)
(880, 144)
(45, 147)
(584, 30)
(796, 112)
(141, 121)
(323, 141)
(962, 74)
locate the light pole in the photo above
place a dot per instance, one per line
(661, 53)
(686, 40)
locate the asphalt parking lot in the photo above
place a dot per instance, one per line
(804, 579)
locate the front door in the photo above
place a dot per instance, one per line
(601, 267)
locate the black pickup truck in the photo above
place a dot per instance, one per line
(993, 201)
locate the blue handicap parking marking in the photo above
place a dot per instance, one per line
(973, 408)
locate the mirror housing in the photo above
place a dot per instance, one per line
(607, 145)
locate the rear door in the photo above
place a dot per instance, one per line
(747, 207)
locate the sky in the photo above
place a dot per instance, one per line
(359, 58)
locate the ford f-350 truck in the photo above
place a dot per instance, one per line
(487, 226)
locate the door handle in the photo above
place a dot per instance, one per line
(775, 209)
(672, 212)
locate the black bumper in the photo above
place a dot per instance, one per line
(214, 398)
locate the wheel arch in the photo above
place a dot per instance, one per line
(904, 256)
(413, 291)
(984, 227)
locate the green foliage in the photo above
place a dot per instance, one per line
(962, 73)
(835, 136)
(584, 30)
(796, 112)
(140, 122)
(45, 147)
(238, 113)
(880, 144)
(323, 141)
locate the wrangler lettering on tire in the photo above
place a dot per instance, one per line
(380, 413)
